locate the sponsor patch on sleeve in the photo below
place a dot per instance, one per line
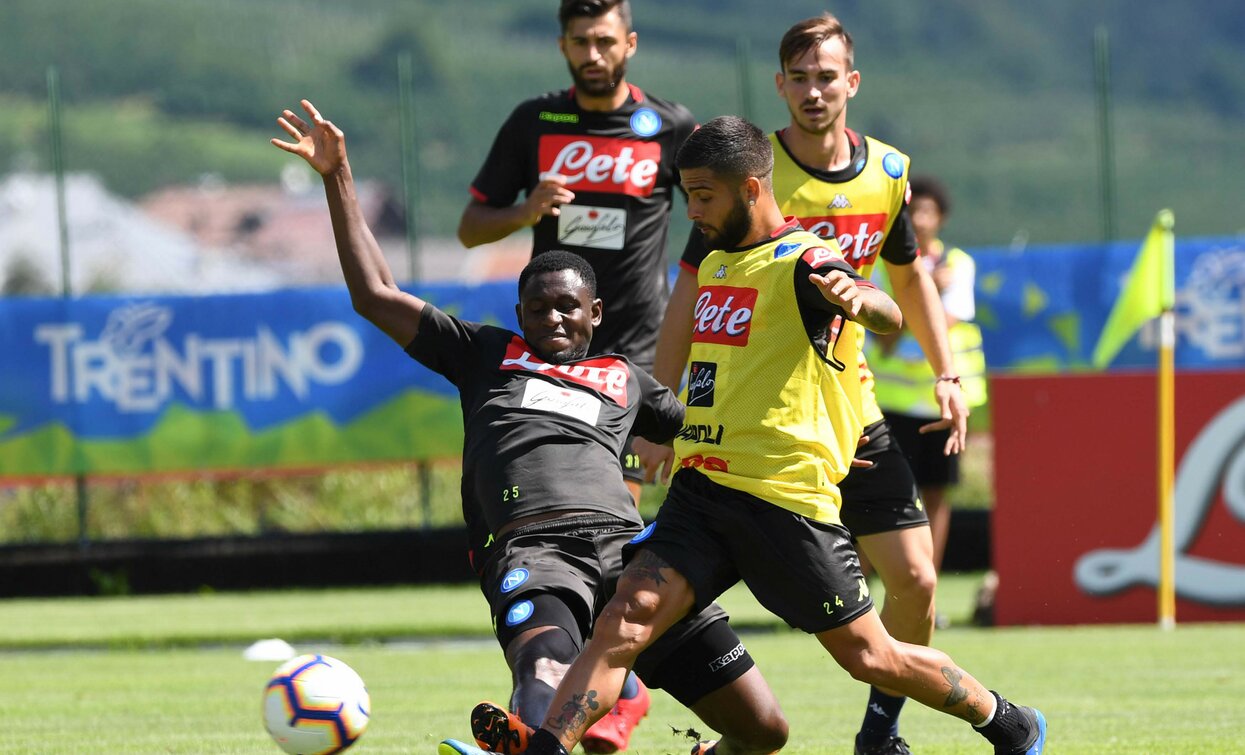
(817, 256)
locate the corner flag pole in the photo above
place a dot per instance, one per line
(1167, 428)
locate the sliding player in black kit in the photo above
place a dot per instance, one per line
(544, 423)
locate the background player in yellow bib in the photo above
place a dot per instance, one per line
(767, 436)
(852, 189)
(903, 375)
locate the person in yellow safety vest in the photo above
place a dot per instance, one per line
(903, 375)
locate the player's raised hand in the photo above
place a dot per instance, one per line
(839, 288)
(320, 143)
(547, 196)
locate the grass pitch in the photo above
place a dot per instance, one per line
(130, 675)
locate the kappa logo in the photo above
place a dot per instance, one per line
(608, 375)
(513, 579)
(840, 202)
(600, 164)
(859, 236)
(723, 314)
(721, 273)
(732, 655)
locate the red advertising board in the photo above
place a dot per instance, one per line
(1075, 533)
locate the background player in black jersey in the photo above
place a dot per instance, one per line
(710, 533)
(841, 184)
(595, 163)
(544, 423)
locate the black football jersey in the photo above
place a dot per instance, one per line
(620, 164)
(540, 437)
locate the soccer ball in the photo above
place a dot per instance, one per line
(314, 705)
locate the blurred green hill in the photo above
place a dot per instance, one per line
(997, 98)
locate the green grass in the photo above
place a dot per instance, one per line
(1104, 689)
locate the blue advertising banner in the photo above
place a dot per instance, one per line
(292, 378)
(1042, 310)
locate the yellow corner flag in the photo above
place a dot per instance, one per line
(1150, 289)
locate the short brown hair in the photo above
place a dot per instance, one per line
(928, 186)
(593, 9)
(731, 147)
(810, 34)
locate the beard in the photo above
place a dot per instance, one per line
(567, 355)
(814, 129)
(598, 87)
(735, 228)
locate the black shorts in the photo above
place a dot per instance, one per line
(884, 497)
(578, 560)
(805, 572)
(930, 466)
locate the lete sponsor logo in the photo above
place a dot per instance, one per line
(605, 374)
(859, 236)
(816, 256)
(723, 315)
(594, 163)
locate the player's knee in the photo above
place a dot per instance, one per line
(546, 647)
(872, 665)
(767, 731)
(627, 621)
(917, 587)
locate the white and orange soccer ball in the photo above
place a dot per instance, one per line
(314, 705)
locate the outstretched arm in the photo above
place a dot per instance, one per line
(373, 291)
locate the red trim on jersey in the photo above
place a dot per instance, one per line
(791, 223)
(685, 265)
(478, 195)
(865, 283)
(853, 137)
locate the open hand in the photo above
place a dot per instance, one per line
(320, 143)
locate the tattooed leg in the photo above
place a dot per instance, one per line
(974, 706)
(926, 675)
(651, 596)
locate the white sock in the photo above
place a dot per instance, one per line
(993, 709)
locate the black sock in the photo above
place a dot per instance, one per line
(1008, 729)
(881, 717)
(544, 743)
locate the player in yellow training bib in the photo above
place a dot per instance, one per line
(852, 189)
